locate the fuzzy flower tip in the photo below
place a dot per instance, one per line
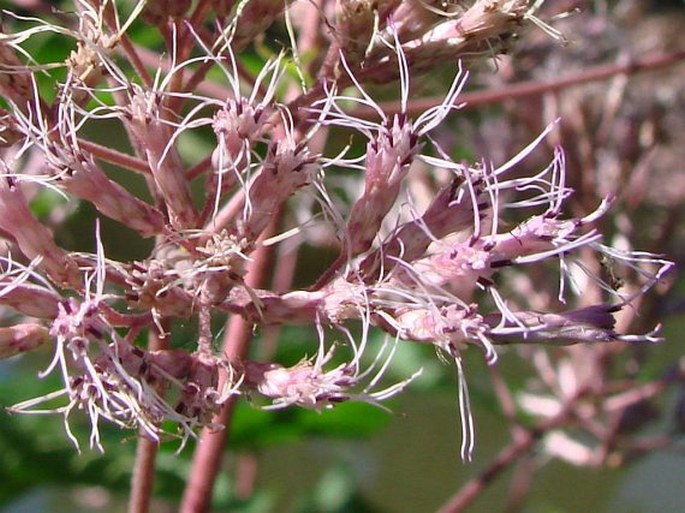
(309, 385)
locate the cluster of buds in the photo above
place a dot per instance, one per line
(431, 270)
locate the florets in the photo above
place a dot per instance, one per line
(435, 269)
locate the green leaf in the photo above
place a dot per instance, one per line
(336, 492)
(254, 428)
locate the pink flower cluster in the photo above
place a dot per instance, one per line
(427, 269)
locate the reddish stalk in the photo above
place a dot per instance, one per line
(143, 478)
(506, 401)
(534, 87)
(201, 10)
(137, 64)
(197, 497)
(201, 167)
(127, 47)
(510, 454)
(246, 475)
(516, 449)
(115, 157)
(284, 272)
(521, 483)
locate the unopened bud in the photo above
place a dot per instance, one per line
(21, 338)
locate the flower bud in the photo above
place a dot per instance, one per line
(21, 338)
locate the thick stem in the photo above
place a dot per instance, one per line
(143, 477)
(197, 497)
(283, 275)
